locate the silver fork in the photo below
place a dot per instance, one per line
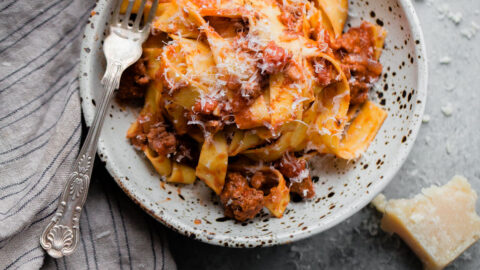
(122, 48)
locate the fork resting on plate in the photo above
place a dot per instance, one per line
(122, 48)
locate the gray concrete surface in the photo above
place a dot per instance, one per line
(446, 145)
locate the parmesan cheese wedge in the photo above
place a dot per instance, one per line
(438, 225)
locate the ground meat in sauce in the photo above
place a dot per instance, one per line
(153, 132)
(291, 16)
(139, 138)
(325, 71)
(244, 94)
(133, 82)
(160, 140)
(323, 37)
(263, 181)
(356, 51)
(270, 59)
(239, 200)
(187, 151)
(214, 126)
(207, 106)
(210, 123)
(294, 71)
(304, 188)
(292, 168)
(274, 59)
(252, 88)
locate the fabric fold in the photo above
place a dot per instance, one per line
(40, 135)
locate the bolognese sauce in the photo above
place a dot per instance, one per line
(253, 69)
(239, 200)
(356, 51)
(134, 82)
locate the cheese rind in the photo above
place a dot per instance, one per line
(438, 224)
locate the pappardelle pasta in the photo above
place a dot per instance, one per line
(241, 93)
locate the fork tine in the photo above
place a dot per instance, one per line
(115, 18)
(139, 15)
(151, 15)
(126, 17)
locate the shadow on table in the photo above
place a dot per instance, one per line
(357, 243)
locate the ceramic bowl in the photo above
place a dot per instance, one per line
(342, 188)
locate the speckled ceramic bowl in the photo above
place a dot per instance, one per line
(343, 187)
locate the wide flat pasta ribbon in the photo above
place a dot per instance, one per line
(279, 197)
(336, 11)
(213, 161)
(243, 140)
(292, 139)
(361, 131)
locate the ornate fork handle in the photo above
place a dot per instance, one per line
(60, 237)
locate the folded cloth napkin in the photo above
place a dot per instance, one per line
(40, 134)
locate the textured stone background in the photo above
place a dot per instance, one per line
(446, 145)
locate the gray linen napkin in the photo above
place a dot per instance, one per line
(40, 128)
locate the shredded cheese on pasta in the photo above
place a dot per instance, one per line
(253, 82)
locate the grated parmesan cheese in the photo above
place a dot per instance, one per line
(470, 32)
(445, 60)
(447, 110)
(448, 148)
(303, 174)
(445, 12)
(426, 118)
(450, 87)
